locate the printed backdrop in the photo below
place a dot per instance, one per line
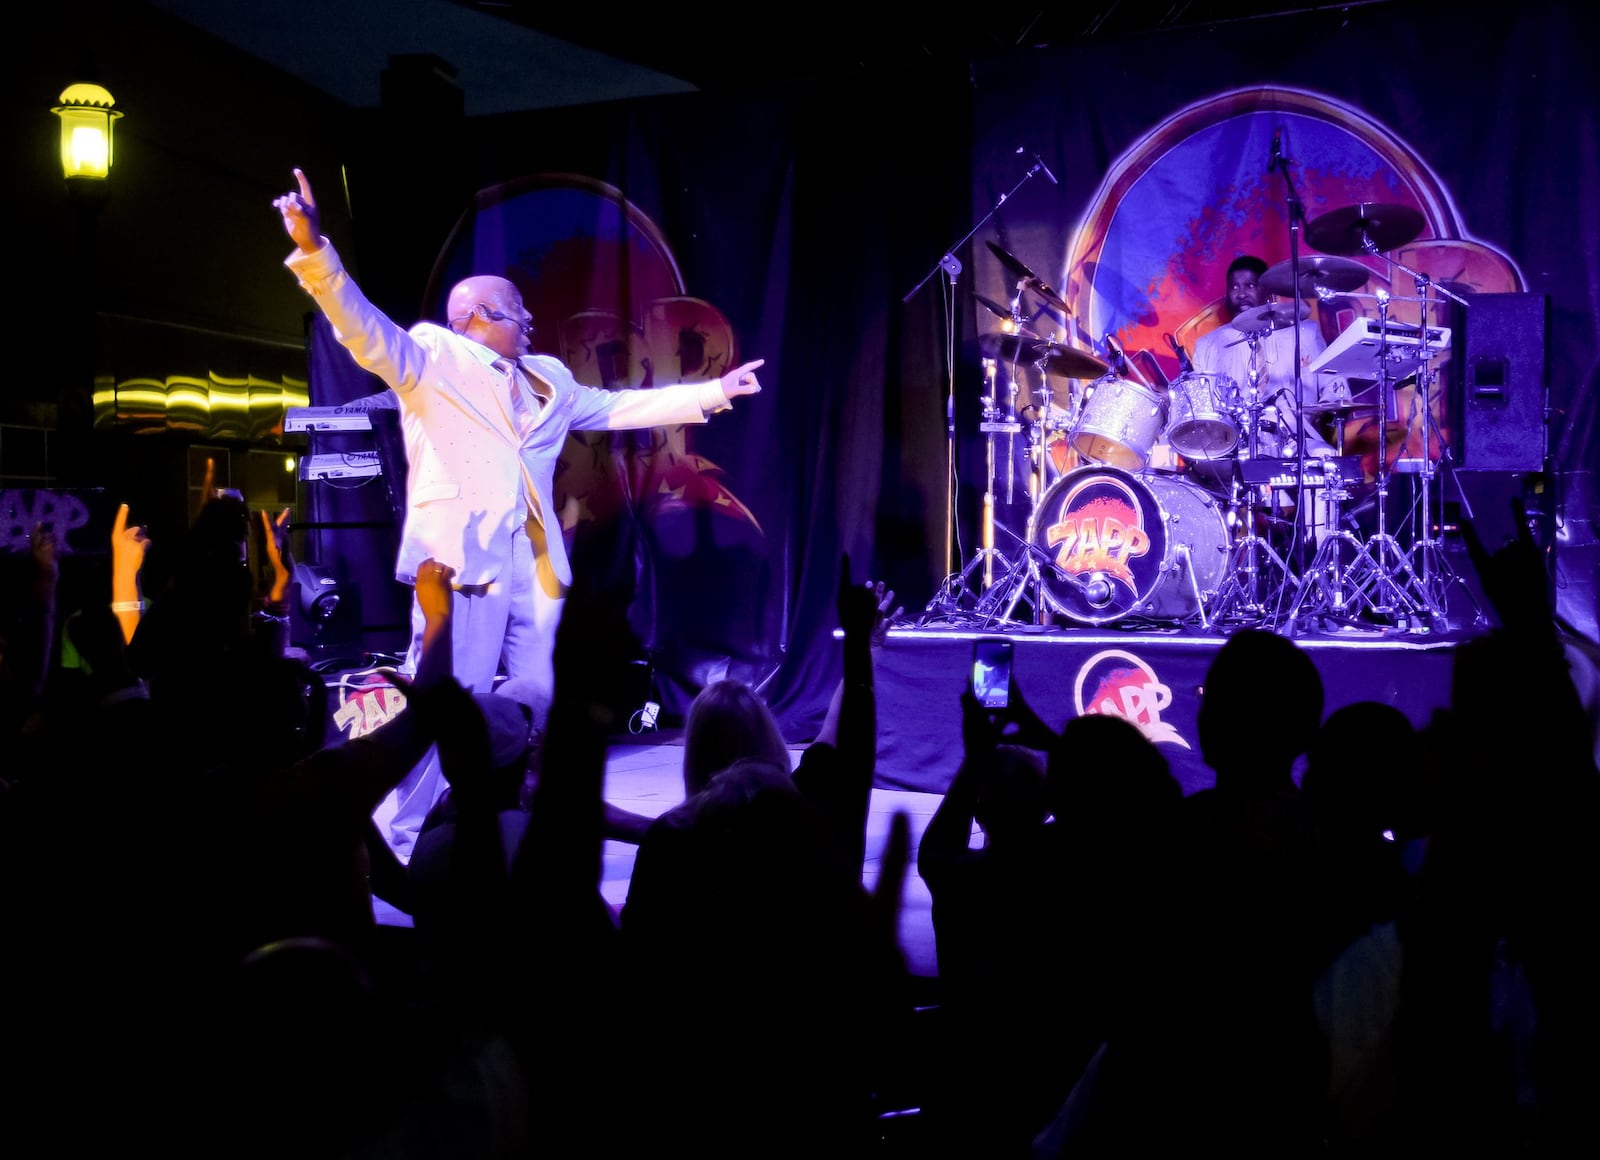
(852, 233)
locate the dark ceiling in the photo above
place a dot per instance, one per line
(718, 53)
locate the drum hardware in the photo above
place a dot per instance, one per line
(1406, 588)
(1426, 561)
(1383, 580)
(995, 422)
(1369, 228)
(999, 604)
(1257, 575)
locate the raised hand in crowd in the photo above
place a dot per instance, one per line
(851, 724)
(129, 545)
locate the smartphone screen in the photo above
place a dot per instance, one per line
(991, 673)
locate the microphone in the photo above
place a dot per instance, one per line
(1276, 160)
(1046, 169)
(1097, 592)
(1185, 364)
(1119, 361)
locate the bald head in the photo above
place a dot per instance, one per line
(488, 309)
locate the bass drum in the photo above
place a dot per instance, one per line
(1121, 545)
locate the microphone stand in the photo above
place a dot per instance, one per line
(1297, 218)
(948, 597)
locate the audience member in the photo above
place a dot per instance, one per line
(1227, 1053)
(999, 935)
(1362, 777)
(790, 1070)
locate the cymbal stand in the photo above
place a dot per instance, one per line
(1426, 559)
(1331, 584)
(1381, 583)
(1256, 573)
(957, 588)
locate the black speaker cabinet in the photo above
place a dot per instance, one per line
(1503, 395)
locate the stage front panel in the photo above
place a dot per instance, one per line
(1152, 679)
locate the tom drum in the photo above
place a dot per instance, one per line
(1203, 416)
(1119, 423)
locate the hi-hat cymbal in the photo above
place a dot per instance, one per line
(1028, 278)
(1364, 228)
(1061, 360)
(1270, 316)
(1316, 273)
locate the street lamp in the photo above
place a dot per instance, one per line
(86, 119)
(87, 116)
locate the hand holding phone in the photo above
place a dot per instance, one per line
(991, 672)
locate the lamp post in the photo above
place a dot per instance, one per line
(87, 116)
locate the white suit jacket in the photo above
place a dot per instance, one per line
(470, 473)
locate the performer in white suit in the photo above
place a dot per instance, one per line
(484, 422)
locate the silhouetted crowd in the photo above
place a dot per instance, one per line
(1369, 939)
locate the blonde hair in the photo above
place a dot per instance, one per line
(726, 722)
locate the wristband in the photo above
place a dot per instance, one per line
(127, 606)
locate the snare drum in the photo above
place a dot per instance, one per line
(1204, 410)
(1119, 423)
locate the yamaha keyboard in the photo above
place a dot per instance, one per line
(348, 418)
(341, 465)
(1368, 352)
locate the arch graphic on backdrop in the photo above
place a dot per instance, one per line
(608, 298)
(1149, 256)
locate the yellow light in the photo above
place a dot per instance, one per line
(86, 117)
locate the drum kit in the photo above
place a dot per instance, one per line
(1158, 506)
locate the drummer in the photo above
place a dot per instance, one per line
(1259, 339)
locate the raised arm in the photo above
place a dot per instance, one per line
(843, 786)
(128, 547)
(301, 220)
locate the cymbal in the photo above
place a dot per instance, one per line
(1352, 229)
(995, 308)
(1061, 360)
(1270, 316)
(1026, 276)
(1316, 273)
